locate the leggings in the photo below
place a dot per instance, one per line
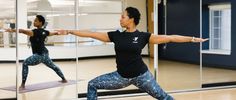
(144, 82)
(36, 59)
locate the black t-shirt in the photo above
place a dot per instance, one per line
(128, 48)
(37, 41)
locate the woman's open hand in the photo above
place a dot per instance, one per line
(199, 39)
(62, 32)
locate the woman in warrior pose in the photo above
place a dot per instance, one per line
(40, 52)
(130, 66)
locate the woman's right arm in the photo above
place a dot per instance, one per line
(102, 36)
(26, 32)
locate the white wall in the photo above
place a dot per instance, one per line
(7, 54)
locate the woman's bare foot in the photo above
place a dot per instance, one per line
(63, 81)
(22, 87)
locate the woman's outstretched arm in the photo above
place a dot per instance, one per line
(159, 39)
(26, 32)
(102, 36)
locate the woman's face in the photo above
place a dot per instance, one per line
(37, 23)
(125, 20)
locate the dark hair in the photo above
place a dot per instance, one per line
(133, 13)
(41, 19)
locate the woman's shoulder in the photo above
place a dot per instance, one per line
(144, 33)
(114, 32)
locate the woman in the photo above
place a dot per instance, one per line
(40, 52)
(130, 66)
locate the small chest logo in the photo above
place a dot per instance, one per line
(44, 33)
(135, 40)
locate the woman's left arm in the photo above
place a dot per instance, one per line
(159, 39)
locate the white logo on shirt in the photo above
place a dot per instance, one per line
(135, 40)
(43, 33)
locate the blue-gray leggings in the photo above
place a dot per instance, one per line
(144, 82)
(36, 59)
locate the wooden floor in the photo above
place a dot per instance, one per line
(172, 76)
(218, 94)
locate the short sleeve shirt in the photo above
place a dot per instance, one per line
(37, 41)
(128, 48)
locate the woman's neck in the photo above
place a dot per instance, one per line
(38, 27)
(131, 28)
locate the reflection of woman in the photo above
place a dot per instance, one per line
(130, 66)
(40, 52)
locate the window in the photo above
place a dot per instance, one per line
(220, 29)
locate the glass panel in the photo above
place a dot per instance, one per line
(219, 70)
(7, 50)
(99, 57)
(179, 69)
(226, 29)
(216, 44)
(216, 13)
(216, 21)
(100, 16)
(48, 65)
(216, 33)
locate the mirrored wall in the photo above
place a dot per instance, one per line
(218, 65)
(7, 44)
(98, 16)
(95, 57)
(49, 66)
(179, 63)
(180, 66)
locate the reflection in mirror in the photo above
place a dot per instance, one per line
(100, 16)
(47, 69)
(95, 57)
(217, 54)
(179, 67)
(7, 50)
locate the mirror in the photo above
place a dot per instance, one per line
(217, 54)
(97, 58)
(179, 63)
(49, 65)
(7, 50)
